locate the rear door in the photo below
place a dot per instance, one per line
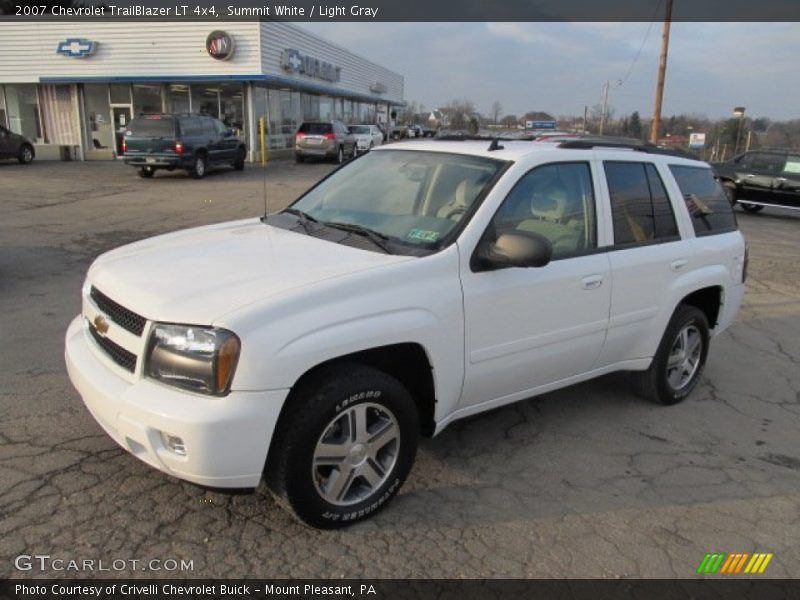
(229, 144)
(787, 185)
(757, 172)
(150, 135)
(648, 255)
(213, 140)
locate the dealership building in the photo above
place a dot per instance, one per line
(72, 86)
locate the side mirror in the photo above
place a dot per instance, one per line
(513, 249)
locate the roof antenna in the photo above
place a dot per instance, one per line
(495, 145)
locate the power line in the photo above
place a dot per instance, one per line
(641, 47)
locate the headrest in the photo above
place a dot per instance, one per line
(550, 203)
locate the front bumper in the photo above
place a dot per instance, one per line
(226, 439)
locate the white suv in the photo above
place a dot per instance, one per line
(414, 286)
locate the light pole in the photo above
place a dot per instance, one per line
(738, 111)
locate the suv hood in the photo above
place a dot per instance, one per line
(198, 275)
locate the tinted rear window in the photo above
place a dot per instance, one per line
(315, 128)
(707, 202)
(152, 127)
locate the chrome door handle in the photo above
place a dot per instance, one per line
(592, 282)
(679, 264)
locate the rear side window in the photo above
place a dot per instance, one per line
(208, 127)
(707, 202)
(191, 126)
(315, 128)
(639, 204)
(152, 126)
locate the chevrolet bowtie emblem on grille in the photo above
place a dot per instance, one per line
(101, 324)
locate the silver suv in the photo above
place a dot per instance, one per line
(329, 139)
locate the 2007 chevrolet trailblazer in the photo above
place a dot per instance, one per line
(414, 286)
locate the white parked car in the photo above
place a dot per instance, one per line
(418, 285)
(367, 136)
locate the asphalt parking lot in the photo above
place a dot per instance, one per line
(589, 481)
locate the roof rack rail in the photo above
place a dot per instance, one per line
(468, 137)
(635, 145)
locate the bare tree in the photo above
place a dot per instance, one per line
(497, 108)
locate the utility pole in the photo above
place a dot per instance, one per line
(605, 107)
(585, 113)
(662, 72)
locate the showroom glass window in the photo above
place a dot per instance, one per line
(99, 127)
(22, 106)
(3, 115)
(178, 98)
(231, 102)
(147, 99)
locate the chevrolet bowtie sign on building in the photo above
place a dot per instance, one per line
(296, 62)
(76, 47)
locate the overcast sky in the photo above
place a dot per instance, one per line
(560, 67)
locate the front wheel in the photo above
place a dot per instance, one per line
(680, 358)
(345, 446)
(751, 208)
(340, 155)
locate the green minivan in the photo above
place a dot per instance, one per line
(195, 143)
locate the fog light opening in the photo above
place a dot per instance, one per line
(173, 443)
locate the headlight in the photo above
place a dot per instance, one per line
(200, 359)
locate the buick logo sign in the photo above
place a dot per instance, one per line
(220, 45)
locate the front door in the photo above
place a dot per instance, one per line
(757, 172)
(121, 117)
(529, 327)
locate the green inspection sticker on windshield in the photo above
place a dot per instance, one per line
(424, 235)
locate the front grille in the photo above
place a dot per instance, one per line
(125, 359)
(119, 314)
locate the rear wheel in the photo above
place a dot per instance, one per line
(680, 359)
(25, 156)
(340, 155)
(238, 164)
(199, 167)
(345, 445)
(146, 172)
(299, 158)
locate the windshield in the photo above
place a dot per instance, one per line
(315, 128)
(414, 198)
(358, 129)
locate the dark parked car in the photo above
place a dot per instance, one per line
(327, 139)
(762, 177)
(192, 142)
(13, 145)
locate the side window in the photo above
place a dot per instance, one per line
(763, 162)
(707, 202)
(208, 127)
(219, 126)
(190, 126)
(555, 201)
(639, 204)
(792, 166)
(663, 214)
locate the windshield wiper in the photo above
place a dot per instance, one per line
(304, 218)
(377, 238)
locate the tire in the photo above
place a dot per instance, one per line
(199, 167)
(340, 156)
(321, 409)
(355, 151)
(751, 208)
(146, 172)
(664, 382)
(298, 158)
(238, 164)
(26, 154)
(371, 146)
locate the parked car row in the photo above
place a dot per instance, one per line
(761, 178)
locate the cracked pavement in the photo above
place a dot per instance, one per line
(589, 481)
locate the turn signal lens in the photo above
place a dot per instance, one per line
(330, 136)
(178, 147)
(124, 146)
(299, 135)
(227, 355)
